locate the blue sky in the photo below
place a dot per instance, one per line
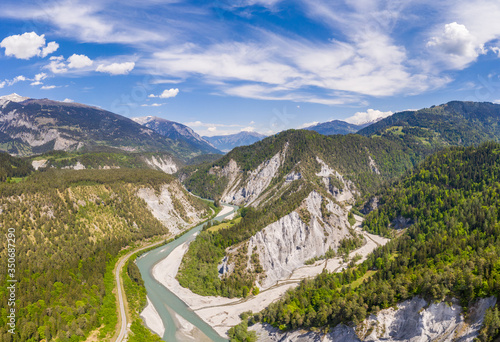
(265, 65)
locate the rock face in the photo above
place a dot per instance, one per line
(171, 207)
(39, 163)
(77, 166)
(370, 206)
(246, 190)
(414, 320)
(342, 189)
(286, 244)
(373, 165)
(166, 164)
(177, 132)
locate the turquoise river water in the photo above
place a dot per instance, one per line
(163, 299)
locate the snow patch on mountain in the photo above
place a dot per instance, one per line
(12, 98)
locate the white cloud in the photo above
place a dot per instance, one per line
(60, 65)
(211, 129)
(38, 79)
(16, 79)
(165, 81)
(116, 68)
(50, 48)
(458, 43)
(19, 79)
(248, 129)
(152, 105)
(92, 21)
(79, 61)
(57, 65)
(48, 87)
(40, 76)
(287, 68)
(368, 116)
(2, 84)
(205, 124)
(27, 45)
(308, 124)
(167, 93)
(68, 100)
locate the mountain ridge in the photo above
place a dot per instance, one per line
(176, 131)
(227, 142)
(32, 126)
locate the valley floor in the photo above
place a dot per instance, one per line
(223, 313)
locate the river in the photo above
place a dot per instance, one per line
(163, 300)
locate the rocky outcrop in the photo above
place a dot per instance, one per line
(342, 189)
(373, 166)
(247, 190)
(37, 164)
(293, 176)
(401, 222)
(171, 207)
(231, 171)
(285, 245)
(414, 320)
(165, 164)
(370, 205)
(77, 166)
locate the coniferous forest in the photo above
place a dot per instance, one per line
(451, 250)
(70, 226)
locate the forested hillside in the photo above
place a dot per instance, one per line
(277, 175)
(451, 250)
(13, 167)
(455, 123)
(349, 155)
(69, 227)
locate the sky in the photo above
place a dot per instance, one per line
(224, 66)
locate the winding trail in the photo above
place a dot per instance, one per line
(122, 317)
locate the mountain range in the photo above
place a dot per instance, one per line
(33, 126)
(176, 131)
(403, 215)
(337, 127)
(298, 184)
(226, 143)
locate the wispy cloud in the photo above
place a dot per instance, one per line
(360, 52)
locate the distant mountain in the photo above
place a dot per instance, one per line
(336, 127)
(454, 123)
(32, 126)
(176, 131)
(226, 143)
